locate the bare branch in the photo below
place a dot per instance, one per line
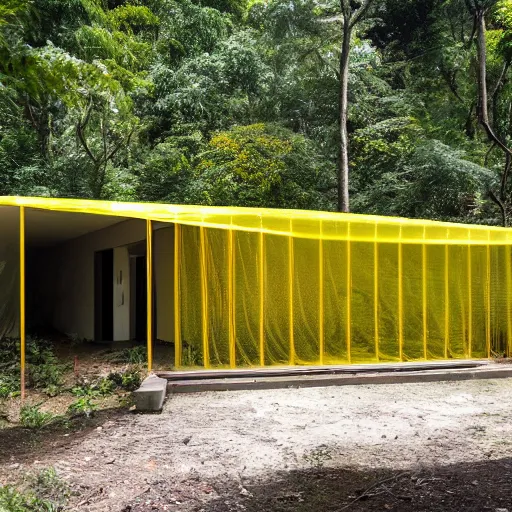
(501, 206)
(360, 13)
(81, 125)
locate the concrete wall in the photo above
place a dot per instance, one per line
(74, 304)
(65, 282)
(121, 294)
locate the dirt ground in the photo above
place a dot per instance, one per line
(433, 446)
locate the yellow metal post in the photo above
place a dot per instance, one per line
(290, 285)
(261, 272)
(204, 299)
(178, 348)
(488, 300)
(400, 299)
(470, 301)
(22, 300)
(508, 262)
(321, 296)
(446, 301)
(349, 296)
(149, 271)
(376, 291)
(231, 299)
(424, 285)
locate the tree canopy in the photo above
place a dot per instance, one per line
(230, 102)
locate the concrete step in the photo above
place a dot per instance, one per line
(488, 371)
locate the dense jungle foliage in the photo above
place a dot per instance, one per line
(240, 102)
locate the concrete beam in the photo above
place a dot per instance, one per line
(491, 371)
(151, 394)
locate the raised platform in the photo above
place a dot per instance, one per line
(297, 377)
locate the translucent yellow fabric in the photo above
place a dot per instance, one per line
(313, 302)
(279, 287)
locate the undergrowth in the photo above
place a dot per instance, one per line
(44, 371)
(136, 355)
(44, 492)
(32, 417)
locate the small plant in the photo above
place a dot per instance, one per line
(136, 355)
(45, 492)
(83, 406)
(52, 390)
(129, 380)
(318, 456)
(106, 387)
(9, 386)
(49, 486)
(191, 355)
(11, 500)
(32, 417)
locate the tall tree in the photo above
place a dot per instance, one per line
(353, 12)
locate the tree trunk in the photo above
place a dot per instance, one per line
(343, 196)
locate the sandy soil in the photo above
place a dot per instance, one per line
(204, 447)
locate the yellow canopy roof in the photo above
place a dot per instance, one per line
(297, 223)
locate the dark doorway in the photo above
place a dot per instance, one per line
(141, 299)
(104, 295)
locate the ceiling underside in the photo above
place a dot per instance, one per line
(46, 228)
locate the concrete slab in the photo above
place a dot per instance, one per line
(287, 371)
(490, 371)
(151, 394)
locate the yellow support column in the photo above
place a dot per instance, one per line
(446, 301)
(400, 300)
(261, 273)
(508, 262)
(470, 300)
(231, 299)
(349, 297)
(424, 285)
(488, 300)
(376, 291)
(23, 339)
(149, 272)
(290, 284)
(204, 299)
(178, 348)
(321, 312)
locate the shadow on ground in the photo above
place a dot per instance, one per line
(19, 444)
(483, 486)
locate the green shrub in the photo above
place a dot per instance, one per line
(102, 387)
(43, 368)
(83, 406)
(9, 385)
(47, 485)
(129, 380)
(32, 417)
(46, 493)
(12, 500)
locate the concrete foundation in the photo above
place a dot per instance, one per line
(151, 394)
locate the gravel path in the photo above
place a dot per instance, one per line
(203, 439)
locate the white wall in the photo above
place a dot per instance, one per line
(121, 294)
(69, 280)
(74, 271)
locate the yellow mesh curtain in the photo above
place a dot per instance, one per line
(349, 293)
